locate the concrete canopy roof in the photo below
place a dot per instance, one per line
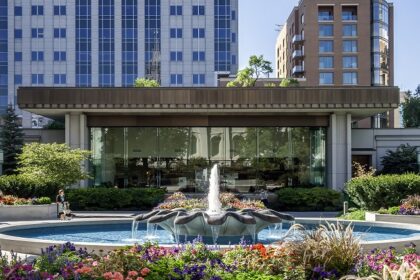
(361, 102)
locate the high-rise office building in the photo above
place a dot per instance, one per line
(109, 43)
(338, 42)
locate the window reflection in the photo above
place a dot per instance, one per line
(180, 158)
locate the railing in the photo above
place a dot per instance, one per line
(297, 53)
(325, 18)
(297, 38)
(349, 17)
(298, 69)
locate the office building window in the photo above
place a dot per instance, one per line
(176, 32)
(18, 11)
(326, 46)
(198, 10)
(199, 79)
(59, 10)
(37, 32)
(18, 80)
(37, 56)
(18, 33)
(176, 79)
(153, 39)
(349, 13)
(199, 56)
(83, 43)
(59, 33)
(199, 33)
(326, 62)
(233, 37)
(326, 30)
(37, 10)
(129, 42)
(222, 35)
(326, 78)
(233, 15)
(325, 13)
(234, 59)
(37, 79)
(18, 56)
(176, 10)
(106, 43)
(350, 78)
(350, 62)
(176, 56)
(60, 56)
(60, 79)
(350, 46)
(349, 30)
(4, 67)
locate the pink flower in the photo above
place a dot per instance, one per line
(140, 278)
(113, 276)
(145, 271)
(132, 273)
(95, 263)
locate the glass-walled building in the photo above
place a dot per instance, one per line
(180, 158)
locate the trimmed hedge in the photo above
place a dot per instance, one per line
(21, 186)
(373, 193)
(309, 199)
(91, 199)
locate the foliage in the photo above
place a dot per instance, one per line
(390, 211)
(53, 163)
(228, 200)
(289, 83)
(11, 137)
(357, 215)
(403, 160)
(26, 186)
(249, 76)
(309, 199)
(145, 83)
(411, 110)
(13, 200)
(56, 125)
(410, 205)
(330, 250)
(114, 199)
(362, 170)
(373, 193)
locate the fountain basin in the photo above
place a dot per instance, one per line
(201, 223)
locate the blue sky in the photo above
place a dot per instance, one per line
(257, 35)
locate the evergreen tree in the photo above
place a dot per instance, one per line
(411, 109)
(11, 141)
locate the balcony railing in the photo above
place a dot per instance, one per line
(325, 18)
(297, 38)
(297, 54)
(349, 17)
(298, 69)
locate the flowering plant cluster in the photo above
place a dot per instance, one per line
(13, 200)
(410, 205)
(228, 200)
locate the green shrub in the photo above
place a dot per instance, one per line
(313, 199)
(42, 201)
(23, 186)
(357, 215)
(114, 199)
(373, 193)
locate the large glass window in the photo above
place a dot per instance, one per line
(326, 78)
(198, 10)
(199, 32)
(83, 43)
(175, 10)
(326, 30)
(199, 56)
(176, 32)
(180, 158)
(325, 13)
(222, 35)
(153, 39)
(326, 62)
(349, 30)
(106, 43)
(129, 42)
(326, 46)
(350, 62)
(350, 46)
(350, 78)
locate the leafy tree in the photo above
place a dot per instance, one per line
(403, 160)
(53, 163)
(249, 76)
(289, 83)
(411, 109)
(144, 82)
(11, 137)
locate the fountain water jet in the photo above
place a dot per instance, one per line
(212, 222)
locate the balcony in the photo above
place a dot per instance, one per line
(297, 39)
(325, 18)
(298, 69)
(346, 17)
(297, 54)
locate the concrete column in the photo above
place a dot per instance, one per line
(339, 151)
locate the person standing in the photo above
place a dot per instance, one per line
(60, 200)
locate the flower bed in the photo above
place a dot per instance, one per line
(329, 252)
(228, 200)
(13, 200)
(13, 208)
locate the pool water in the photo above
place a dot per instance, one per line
(121, 234)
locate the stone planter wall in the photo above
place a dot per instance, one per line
(28, 212)
(405, 219)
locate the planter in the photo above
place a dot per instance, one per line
(28, 212)
(405, 219)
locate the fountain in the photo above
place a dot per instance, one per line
(212, 222)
